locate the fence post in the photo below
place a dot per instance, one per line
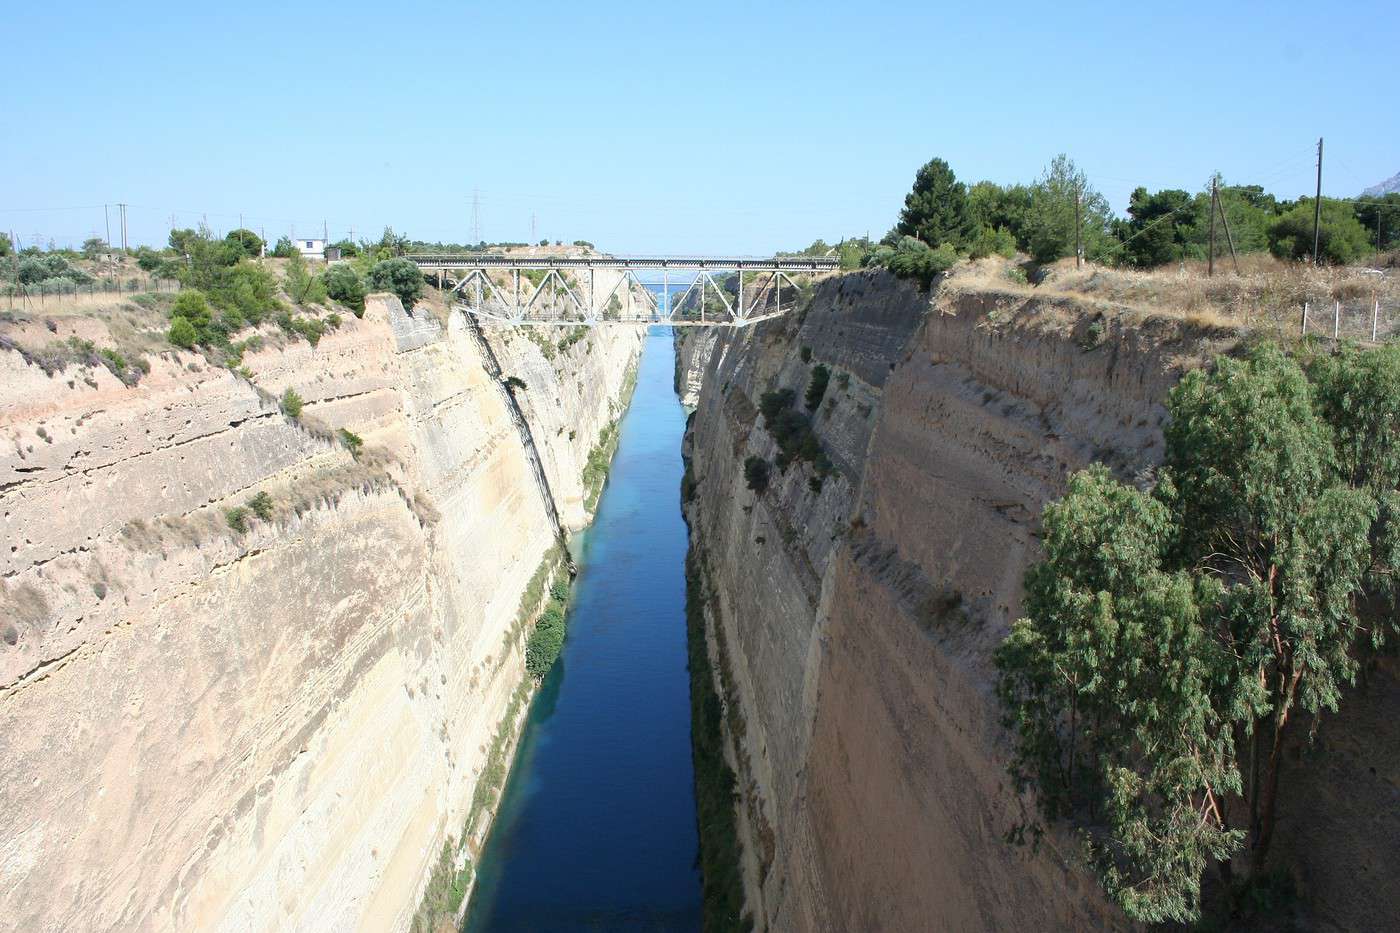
(1375, 319)
(1305, 319)
(1336, 319)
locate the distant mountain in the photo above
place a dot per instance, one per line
(1390, 186)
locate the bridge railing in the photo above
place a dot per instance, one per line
(698, 263)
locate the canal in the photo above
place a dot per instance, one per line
(596, 828)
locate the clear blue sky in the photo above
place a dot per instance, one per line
(705, 127)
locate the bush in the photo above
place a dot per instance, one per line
(793, 432)
(756, 473)
(399, 276)
(1341, 238)
(237, 518)
(816, 388)
(344, 284)
(993, 242)
(248, 243)
(547, 640)
(148, 259)
(191, 305)
(352, 441)
(292, 403)
(284, 248)
(261, 504)
(182, 333)
(303, 287)
(913, 259)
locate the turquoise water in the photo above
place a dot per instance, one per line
(596, 829)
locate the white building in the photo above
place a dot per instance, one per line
(311, 248)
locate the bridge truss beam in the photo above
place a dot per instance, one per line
(482, 296)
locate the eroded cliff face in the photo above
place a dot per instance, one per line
(279, 728)
(852, 626)
(693, 349)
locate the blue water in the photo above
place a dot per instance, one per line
(596, 829)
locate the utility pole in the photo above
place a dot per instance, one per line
(1317, 202)
(1214, 204)
(121, 224)
(476, 216)
(532, 228)
(1078, 227)
(107, 220)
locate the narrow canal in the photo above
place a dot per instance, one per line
(596, 829)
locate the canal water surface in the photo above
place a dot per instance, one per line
(596, 828)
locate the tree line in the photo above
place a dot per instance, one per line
(944, 219)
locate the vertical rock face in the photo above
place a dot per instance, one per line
(693, 349)
(852, 620)
(278, 728)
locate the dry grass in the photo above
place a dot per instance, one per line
(1265, 295)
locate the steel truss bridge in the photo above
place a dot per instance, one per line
(589, 303)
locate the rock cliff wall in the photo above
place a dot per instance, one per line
(278, 728)
(851, 622)
(852, 625)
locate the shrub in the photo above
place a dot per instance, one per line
(261, 504)
(514, 382)
(344, 284)
(191, 305)
(292, 403)
(793, 432)
(284, 248)
(248, 243)
(756, 473)
(352, 441)
(993, 242)
(182, 333)
(399, 276)
(1341, 238)
(806, 354)
(816, 388)
(913, 259)
(237, 518)
(148, 259)
(547, 640)
(303, 287)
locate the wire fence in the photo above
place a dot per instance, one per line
(18, 296)
(1364, 320)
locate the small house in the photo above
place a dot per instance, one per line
(311, 248)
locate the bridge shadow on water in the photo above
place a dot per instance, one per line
(596, 828)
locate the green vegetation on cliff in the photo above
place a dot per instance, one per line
(721, 867)
(1176, 637)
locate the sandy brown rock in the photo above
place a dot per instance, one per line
(201, 729)
(858, 621)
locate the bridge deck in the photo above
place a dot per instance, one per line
(445, 261)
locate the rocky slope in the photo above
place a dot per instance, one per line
(851, 621)
(202, 728)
